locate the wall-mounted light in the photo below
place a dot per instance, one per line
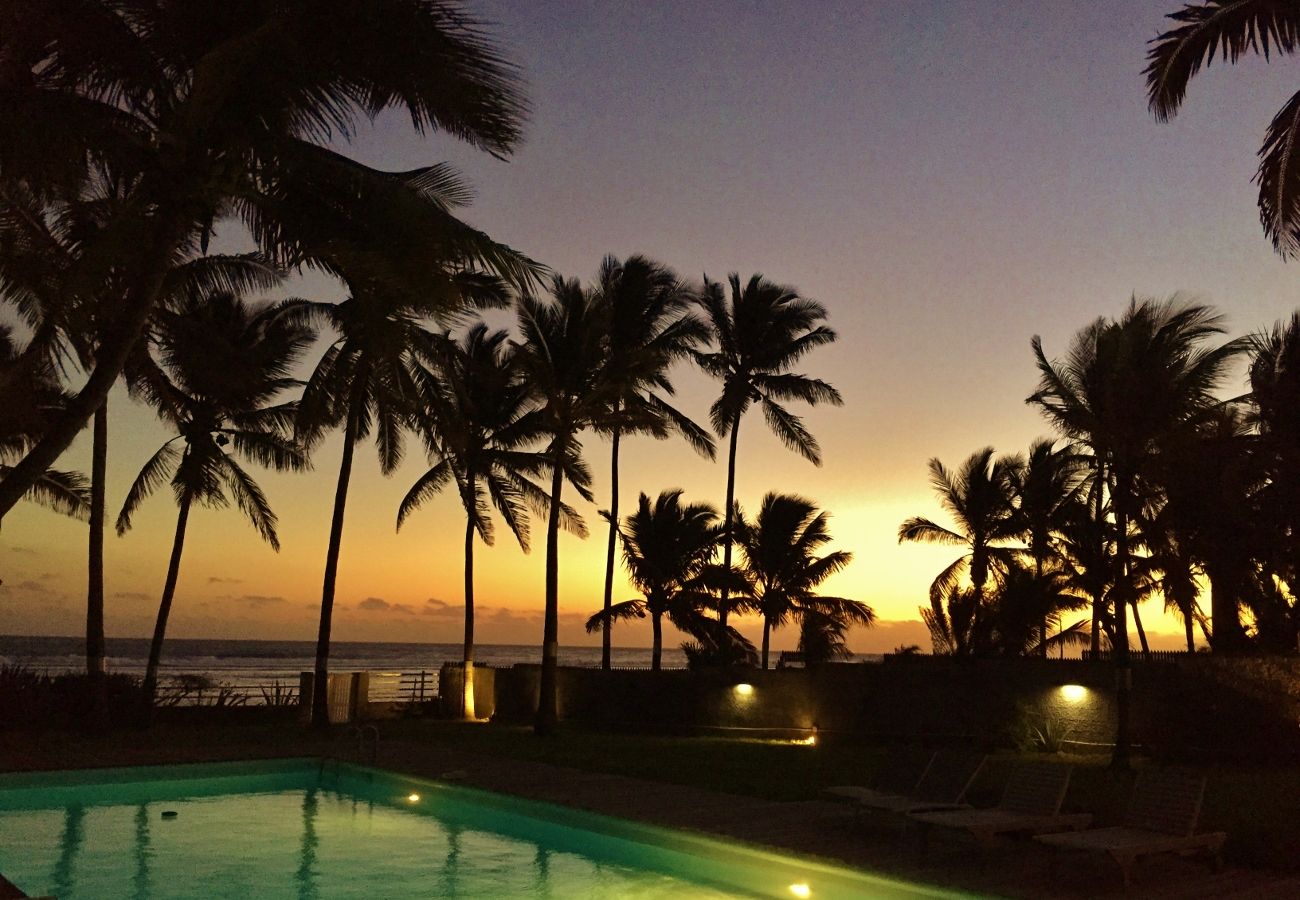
(743, 690)
(1074, 693)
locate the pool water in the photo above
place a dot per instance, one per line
(312, 830)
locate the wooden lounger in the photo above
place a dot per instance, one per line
(942, 784)
(897, 776)
(1162, 817)
(1030, 804)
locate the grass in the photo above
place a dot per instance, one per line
(1255, 805)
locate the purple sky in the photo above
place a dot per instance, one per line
(949, 178)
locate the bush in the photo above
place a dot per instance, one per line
(30, 699)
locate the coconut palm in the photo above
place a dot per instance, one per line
(1230, 29)
(978, 497)
(762, 330)
(1085, 554)
(1043, 486)
(476, 419)
(202, 110)
(1125, 388)
(364, 381)
(783, 567)
(562, 355)
(668, 548)
(650, 328)
(221, 367)
(1273, 408)
(68, 320)
(1209, 482)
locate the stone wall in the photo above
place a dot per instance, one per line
(1194, 706)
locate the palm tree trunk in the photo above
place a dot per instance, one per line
(95, 563)
(1123, 674)
(657, 646)
(1142, 632)
(95, 573)
(165, 605)
(548, 713)
(110, 359)
(767, 634)
(1188, 625)
(1038, 580)
(320, 712)
(467, 659)
(1099, 597)
(1224, 592)
(609, 552)
(727, 521)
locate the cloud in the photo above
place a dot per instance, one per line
(439, 608)
(379, 604)
(217, 580)
(259, 600)
(131, 595)
(26, 551)
(32, 587)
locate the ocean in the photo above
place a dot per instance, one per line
(249, 665)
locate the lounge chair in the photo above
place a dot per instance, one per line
(897, 775)
(941, 783)
(1031, 803)
(1162, 817)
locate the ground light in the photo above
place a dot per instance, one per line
(413, 798)
(801, 889)
(744, 690)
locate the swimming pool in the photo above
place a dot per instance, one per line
(319, 830)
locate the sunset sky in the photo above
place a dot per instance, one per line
(948, 178)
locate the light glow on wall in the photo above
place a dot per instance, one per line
(1074, 693)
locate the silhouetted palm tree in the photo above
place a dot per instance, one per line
(784, 569)
(365, 381)
(1085, 553)
(204, 110)
(1273, 408)
(669, 550)
(650, 328)
(562, 355)
(221, 367)
(69, 318)
(1126, 387)
(978, 497)
(1043, 486)
(761, 330)
(1231, 28)
(476, 419)
(1208, 480)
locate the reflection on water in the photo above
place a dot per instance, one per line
(74, 832)
(143, 852)
(306, 874)
(314, 844)
(542, 863)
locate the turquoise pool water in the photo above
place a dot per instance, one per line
(309, 830)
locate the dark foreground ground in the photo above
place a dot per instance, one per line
(761, 792)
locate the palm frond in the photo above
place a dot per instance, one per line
(155, 472)
(1224, 28)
